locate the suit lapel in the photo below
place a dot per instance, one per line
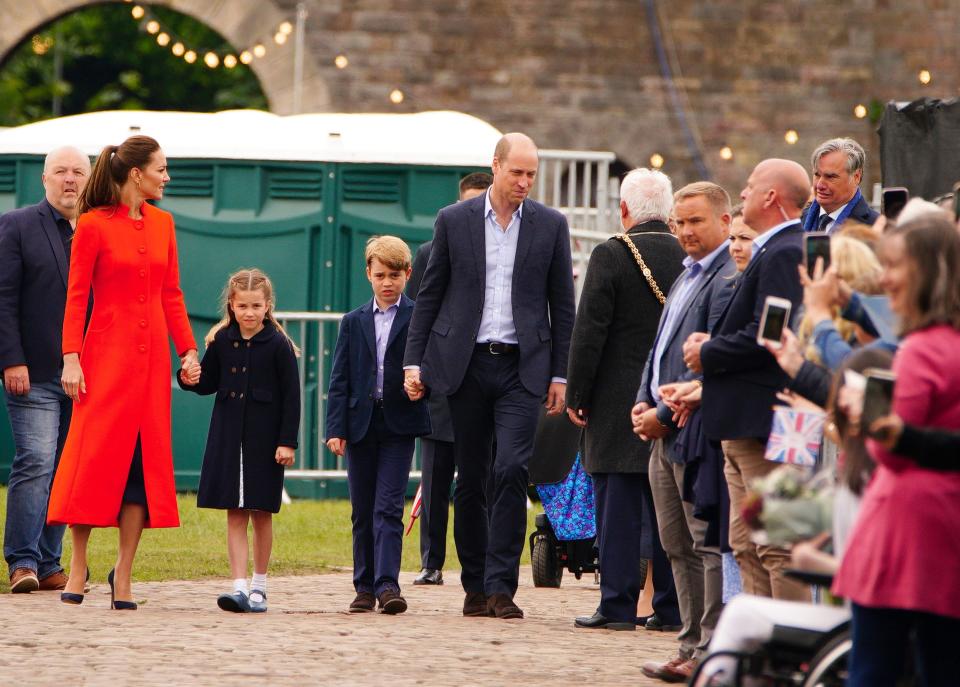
(400, 320)
(478, 238)
(369, 328)
(56, 243)
(525, 238)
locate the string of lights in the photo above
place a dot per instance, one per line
(191, 54)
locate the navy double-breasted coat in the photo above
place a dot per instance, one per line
(256, 410)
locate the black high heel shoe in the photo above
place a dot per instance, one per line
(119, 605)
(75, 599)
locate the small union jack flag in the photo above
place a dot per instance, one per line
(795, 437)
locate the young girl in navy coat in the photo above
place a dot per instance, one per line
(251, 365)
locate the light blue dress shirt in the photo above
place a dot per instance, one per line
(496, 322)
(382, 322)
(762, 239)
(678, 305)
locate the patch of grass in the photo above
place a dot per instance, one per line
(308, 537)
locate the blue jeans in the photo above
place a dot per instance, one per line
(39, 422)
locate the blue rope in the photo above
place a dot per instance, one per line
(678, 108)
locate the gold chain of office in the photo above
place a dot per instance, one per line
(643, 268)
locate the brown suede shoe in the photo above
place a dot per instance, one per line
(54, 583)
(668, 671)
(502, 606)
(23, 581)
(475, 605)
(365, 602)
(391, 602)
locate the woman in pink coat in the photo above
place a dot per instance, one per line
(901, 569)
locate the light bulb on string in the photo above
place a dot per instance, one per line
(285, 28)
(657, 161)
(230, 61)
(791, 136)
(341, 61)
(137, 12)
(396, 96)
(925, 76)
(153, 26)
(211, 60)
(860, 111)
(190, 57)
(726, 153)
(246, 57)
(259, 50)
(163, 39)
(280, 38)
(178, 49)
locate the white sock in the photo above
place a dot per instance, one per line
(240, 585)
(259, 583)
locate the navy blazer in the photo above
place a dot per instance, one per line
(740, 377)
(700, 316)
(353, 378)
(443, 332)
(33, 291)
(861, 212)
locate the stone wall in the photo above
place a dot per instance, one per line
(584, 73)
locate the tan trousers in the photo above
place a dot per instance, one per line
(761, 567)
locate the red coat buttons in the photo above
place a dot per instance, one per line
(143, 273)
(143, 324)
(142, 250)
(138, 225)
(142, 298)
(142, 348)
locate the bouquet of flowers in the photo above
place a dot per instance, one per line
(788, 506)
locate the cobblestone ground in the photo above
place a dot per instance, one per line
(179, 637)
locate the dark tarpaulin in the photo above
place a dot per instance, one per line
(920, 146)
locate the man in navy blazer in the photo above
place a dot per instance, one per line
(491, 330)
(837, 172)
(741, 378)
(375, 424)
(34, 260)
(702, 220)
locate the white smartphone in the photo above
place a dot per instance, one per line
(776, 315)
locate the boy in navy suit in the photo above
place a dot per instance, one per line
(373, 422)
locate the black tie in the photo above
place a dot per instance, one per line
(824, 221)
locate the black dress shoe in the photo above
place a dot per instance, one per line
(600, 622)
(656, 625)
(429, 576)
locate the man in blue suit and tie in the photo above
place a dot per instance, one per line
(491, 331)
(837, 173)
(741, 378)
(702, 220)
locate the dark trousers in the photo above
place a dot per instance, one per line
(378, 467)
(492, 402)
(438, 465)
(884, 637)
(627, 534)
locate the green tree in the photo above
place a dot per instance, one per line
(100, 58)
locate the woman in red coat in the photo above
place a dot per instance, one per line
(117, 469)
(901, 568)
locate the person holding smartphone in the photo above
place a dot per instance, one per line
(902, 563)
(740, 377)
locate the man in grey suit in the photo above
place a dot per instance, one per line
(616, 323)
(702, 220)
(436, 449)
(491, 331)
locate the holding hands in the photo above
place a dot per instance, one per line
(190, 368)
(412, 385)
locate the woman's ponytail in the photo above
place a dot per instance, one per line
(112, 169)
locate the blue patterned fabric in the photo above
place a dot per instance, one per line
(569, 505)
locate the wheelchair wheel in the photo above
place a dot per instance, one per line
(546, 568)
(828, 668)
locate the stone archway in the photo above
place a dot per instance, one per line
(241, 22)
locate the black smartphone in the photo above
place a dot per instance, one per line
(893, 200)
(877, 396)
(816, 245)
(956, 202)
(776, 315)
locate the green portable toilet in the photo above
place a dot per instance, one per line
(297, 196)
